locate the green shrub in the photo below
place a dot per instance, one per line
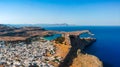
(60, 40)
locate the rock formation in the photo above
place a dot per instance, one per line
(72, 55)
(78, 44)
(86, 60)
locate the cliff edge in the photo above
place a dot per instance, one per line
(76, 57)
(66, 51)
(86, 60)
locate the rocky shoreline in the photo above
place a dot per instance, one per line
(76, 52)
(26, 47)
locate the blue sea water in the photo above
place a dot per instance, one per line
(52, 37)
(107, 45)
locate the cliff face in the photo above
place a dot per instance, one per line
(85, 60)
(75, 59)
(67, 50)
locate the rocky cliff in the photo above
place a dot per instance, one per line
(75, 59)
(86, 60)
(71, 50)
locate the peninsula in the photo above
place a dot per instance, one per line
(26, 47)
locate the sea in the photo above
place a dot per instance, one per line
(107, 45)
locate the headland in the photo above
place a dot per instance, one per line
(27, 47)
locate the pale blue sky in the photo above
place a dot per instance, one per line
(79, 12)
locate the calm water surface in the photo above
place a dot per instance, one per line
(107, 46)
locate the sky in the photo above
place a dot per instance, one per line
(78, 12)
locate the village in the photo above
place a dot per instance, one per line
(28, 47)
(26, 55)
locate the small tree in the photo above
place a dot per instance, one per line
(60, 40)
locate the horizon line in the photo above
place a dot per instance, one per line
(58, 24)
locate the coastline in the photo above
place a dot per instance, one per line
(71, 44)
(79, 44)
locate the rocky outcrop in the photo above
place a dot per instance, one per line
(80, 43)
(86, 60)
(72, 41)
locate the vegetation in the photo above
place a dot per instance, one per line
(56, 59)
(60, 40)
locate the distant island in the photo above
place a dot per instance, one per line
(26, 47)
(40, 25)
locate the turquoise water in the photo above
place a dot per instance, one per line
(107, 46)
(86, 35)
(52, 37)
